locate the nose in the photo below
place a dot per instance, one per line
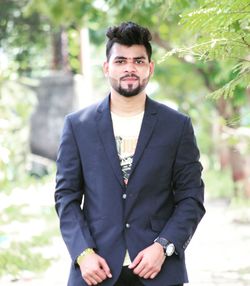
(130, 67)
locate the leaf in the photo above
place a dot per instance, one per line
(227, 90)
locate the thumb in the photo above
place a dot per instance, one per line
(105, 267)
(136, 261)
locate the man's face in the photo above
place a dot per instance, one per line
(128, 69)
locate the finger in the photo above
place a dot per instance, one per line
(101, 275)
(87, 281)
(93, 281)
(90, 280)
(145, 272)
(152, 276)
(148, 274)
(91, 277)
(140, 268)
(97, 278)
(105, 268)
(137, 260)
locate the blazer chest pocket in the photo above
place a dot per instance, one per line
(157, 224)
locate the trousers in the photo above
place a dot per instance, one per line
(128, 278)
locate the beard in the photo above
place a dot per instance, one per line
(130, 90)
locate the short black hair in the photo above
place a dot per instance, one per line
(128, 34)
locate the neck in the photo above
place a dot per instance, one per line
(127, 106)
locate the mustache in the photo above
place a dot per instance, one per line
(130, 75)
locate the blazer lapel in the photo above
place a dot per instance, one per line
(105, 128)
(148, 123)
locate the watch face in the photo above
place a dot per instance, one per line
(170, 249)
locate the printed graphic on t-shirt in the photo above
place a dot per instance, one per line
(126, 149)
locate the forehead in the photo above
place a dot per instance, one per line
(133, 51)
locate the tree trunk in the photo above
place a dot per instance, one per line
(60, 51)
(231, 155)
(238, 171)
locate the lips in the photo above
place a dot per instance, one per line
(130, 78)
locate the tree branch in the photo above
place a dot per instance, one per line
(244, 40)
(201, 72)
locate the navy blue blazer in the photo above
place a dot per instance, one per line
(164, 195)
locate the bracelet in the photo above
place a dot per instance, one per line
(84, 254)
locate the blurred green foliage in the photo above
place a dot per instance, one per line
(16, 104)
(218, 183)
(23, 39)
(200, 47)
(21, 252)
(220, 32)
(12, 212)
(21, 257)
(199, 29)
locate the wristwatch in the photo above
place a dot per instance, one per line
(168, 247)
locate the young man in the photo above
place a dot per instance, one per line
(136, 164)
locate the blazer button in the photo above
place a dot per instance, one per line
(127, 225)
(124, 196)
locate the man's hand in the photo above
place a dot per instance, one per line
(148, 262)
(94, 269)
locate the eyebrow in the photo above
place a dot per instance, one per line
(124, 58)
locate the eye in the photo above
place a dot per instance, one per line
(120, 61)
(139, 61)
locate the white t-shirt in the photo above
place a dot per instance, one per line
(126, 131)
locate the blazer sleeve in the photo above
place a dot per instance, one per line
(69, 193)
(188, 191)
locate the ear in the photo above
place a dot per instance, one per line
(151, 68)
(105, 68)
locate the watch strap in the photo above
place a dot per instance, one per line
(168, 247)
